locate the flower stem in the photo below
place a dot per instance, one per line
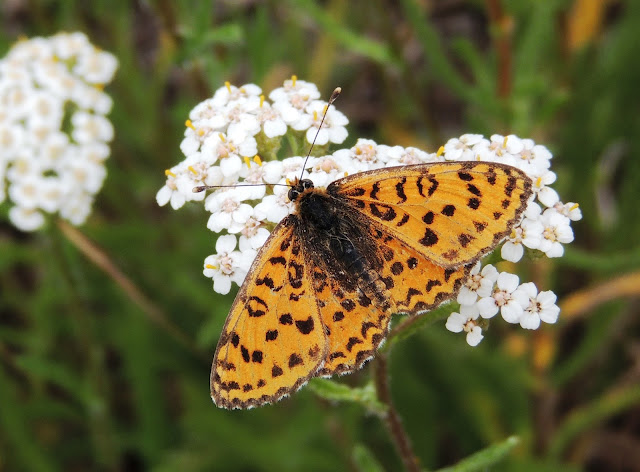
(501, 27)
(392, 419)
(102, 260)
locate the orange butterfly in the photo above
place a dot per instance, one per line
(318, 298)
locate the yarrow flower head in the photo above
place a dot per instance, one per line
(54, 134)
(224, 147)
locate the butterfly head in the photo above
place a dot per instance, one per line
(299, 187)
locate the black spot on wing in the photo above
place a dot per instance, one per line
(245, 354)
(511, 185)
(374, 190)
(278, 260)
(403, 221)
(434, 186)
(464, 239)
(480, 226)
(271, 335)
(305, 326)
(420, 186)
(294, 360)
(397, 268)
(431, 284)
(276, 371)
(256, 356)
(348, 305)
(377, 211)
(430, 238)
(400, 190)
(474, 190)
(428, 217)
(448, 210)
(352, 342)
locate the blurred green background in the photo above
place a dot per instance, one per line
(90, 380)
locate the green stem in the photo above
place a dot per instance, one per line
(392, 419)
(92, 358)
(151, 311)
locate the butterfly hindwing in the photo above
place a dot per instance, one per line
(451, 212)
(355, 324)
(414, 283)
(273, 340)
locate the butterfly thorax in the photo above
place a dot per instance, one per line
(327, 227)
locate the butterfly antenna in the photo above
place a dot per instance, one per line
(332, 99)
(202, 188)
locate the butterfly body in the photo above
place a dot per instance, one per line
(319, 297)
(337, 241)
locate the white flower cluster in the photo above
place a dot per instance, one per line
(226, 132)
(53, 131)
(486, 292)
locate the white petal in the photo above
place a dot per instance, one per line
(550, 314)
(490, 272)
(530, 320)
(455, 322)
(226, 244)
(467, 296)
(547, 298)
(530, 289)
(548, 196)
(163, 196)
(221, 283)
(274, 128)
(512, 252)
(507, 282)
(511, 312)
(487, 307)
(474, 336)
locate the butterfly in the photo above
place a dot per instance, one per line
(319, 296)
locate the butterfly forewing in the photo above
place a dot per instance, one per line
(452, 213)
(273, 340)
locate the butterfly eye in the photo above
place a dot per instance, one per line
(307, 184)
(293, 194)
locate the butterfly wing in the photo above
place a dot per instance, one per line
(273, 340)
(354, 323)
(451, 212)
(414, 283)
(407, 282)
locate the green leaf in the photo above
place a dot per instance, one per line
(54, 372)
(485, 458)
(412, 325)
(374, 50)
(334, 391)
(584, 419)
(364, 460)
